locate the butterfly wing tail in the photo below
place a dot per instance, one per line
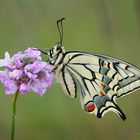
(120, 112)
(100, 106)
(112, 107)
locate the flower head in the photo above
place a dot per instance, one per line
(25, 71)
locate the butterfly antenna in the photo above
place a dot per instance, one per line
(60, 28)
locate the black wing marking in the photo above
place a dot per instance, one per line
(68, 83)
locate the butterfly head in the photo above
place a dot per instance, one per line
(55, 51)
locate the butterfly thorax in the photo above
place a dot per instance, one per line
(56, 55)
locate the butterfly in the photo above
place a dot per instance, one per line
(100, 79)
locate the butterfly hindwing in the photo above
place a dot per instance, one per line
(100, 79)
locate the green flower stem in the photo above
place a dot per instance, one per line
(14, 99)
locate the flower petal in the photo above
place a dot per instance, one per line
(33, 52)
(10, 67)
(36, 86)
(15, 74)
(23, 88)
(18, 62)
(3, 76)
(30, 75)
(35, 67)
(10, 87)
(6, 60)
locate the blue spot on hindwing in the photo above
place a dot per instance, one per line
(106, 89)
(106, 80)
(100, 101)
(103, 70)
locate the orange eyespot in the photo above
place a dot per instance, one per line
(90, 106)
(102, 84)
(102, 93)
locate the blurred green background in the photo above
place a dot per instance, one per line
(110, 27)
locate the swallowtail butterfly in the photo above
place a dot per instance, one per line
(100, 79)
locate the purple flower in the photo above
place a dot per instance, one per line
(25, 71)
